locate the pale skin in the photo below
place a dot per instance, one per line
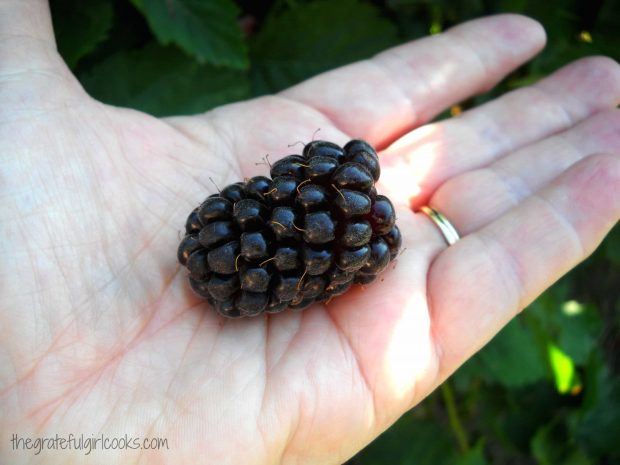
(101, 334)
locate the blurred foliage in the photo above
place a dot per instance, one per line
(546, 390)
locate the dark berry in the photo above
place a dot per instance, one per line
(382, 215)
(254, 246)
(199, 287)
(322, 148)
(223, 286)
(215, 208)
(335, 289)
(284, 190)
(312, 197)
(370, 162)
(319, 228)
(228, 309)
(320, 169)
(188, 245)
(251, 303)
(352, 259)
(286, 258)
(350, 203)
(282, 223)
(250, 214)
(312, 286)
(379, 257)
(355, 234)
(286, 287)
(358, 145)
(255, 279)
(301, 304)
(317, 261)
(234, 192)
(363, 278)
(197, 265)
(337, 276)
(275, 305)
(217, 233)
(193, 224)
(222, 259)
(361, 152)
(394, 241)
(352, 176)
(302, 236)
(291, 165)
(257, 187)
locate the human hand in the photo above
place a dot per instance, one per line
(101, 333)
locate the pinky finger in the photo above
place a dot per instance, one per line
(485, 279)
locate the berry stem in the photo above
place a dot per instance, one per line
(301, 184)
(298, 229)
(279, 224)
(265, 261)
(295, 143)
(213, 182)
(301, 279)
(340, 192)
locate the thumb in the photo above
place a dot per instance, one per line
(30, 66)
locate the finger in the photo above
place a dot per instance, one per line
(421, 161)
(397, 90)
(474, 199)
(480, 283)
(26, 36)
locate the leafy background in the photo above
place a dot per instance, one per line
(546, 390)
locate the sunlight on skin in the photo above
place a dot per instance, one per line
(483, 134)
(392, 329)
(402, 177)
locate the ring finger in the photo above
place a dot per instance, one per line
(476, 198)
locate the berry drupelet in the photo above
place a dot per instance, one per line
(305, 234)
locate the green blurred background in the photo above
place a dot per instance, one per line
(546, 390)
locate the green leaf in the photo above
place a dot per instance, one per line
(474, 456)
(563, 369)
(573, 326)
(512, 358)
(599, 428)
(315, 37)
(78, 28)
(612, 246)
(579, 332)
(206, 29)
(163, 81)
(414, 439)
(551, 445)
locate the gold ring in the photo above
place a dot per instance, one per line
(447, 230)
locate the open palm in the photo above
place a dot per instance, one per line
(100, 333)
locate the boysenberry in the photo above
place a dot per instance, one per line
(305, 235)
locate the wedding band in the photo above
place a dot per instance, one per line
(447, 230)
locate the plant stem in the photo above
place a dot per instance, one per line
(453, 415)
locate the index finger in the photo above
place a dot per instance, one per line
(382, 98)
